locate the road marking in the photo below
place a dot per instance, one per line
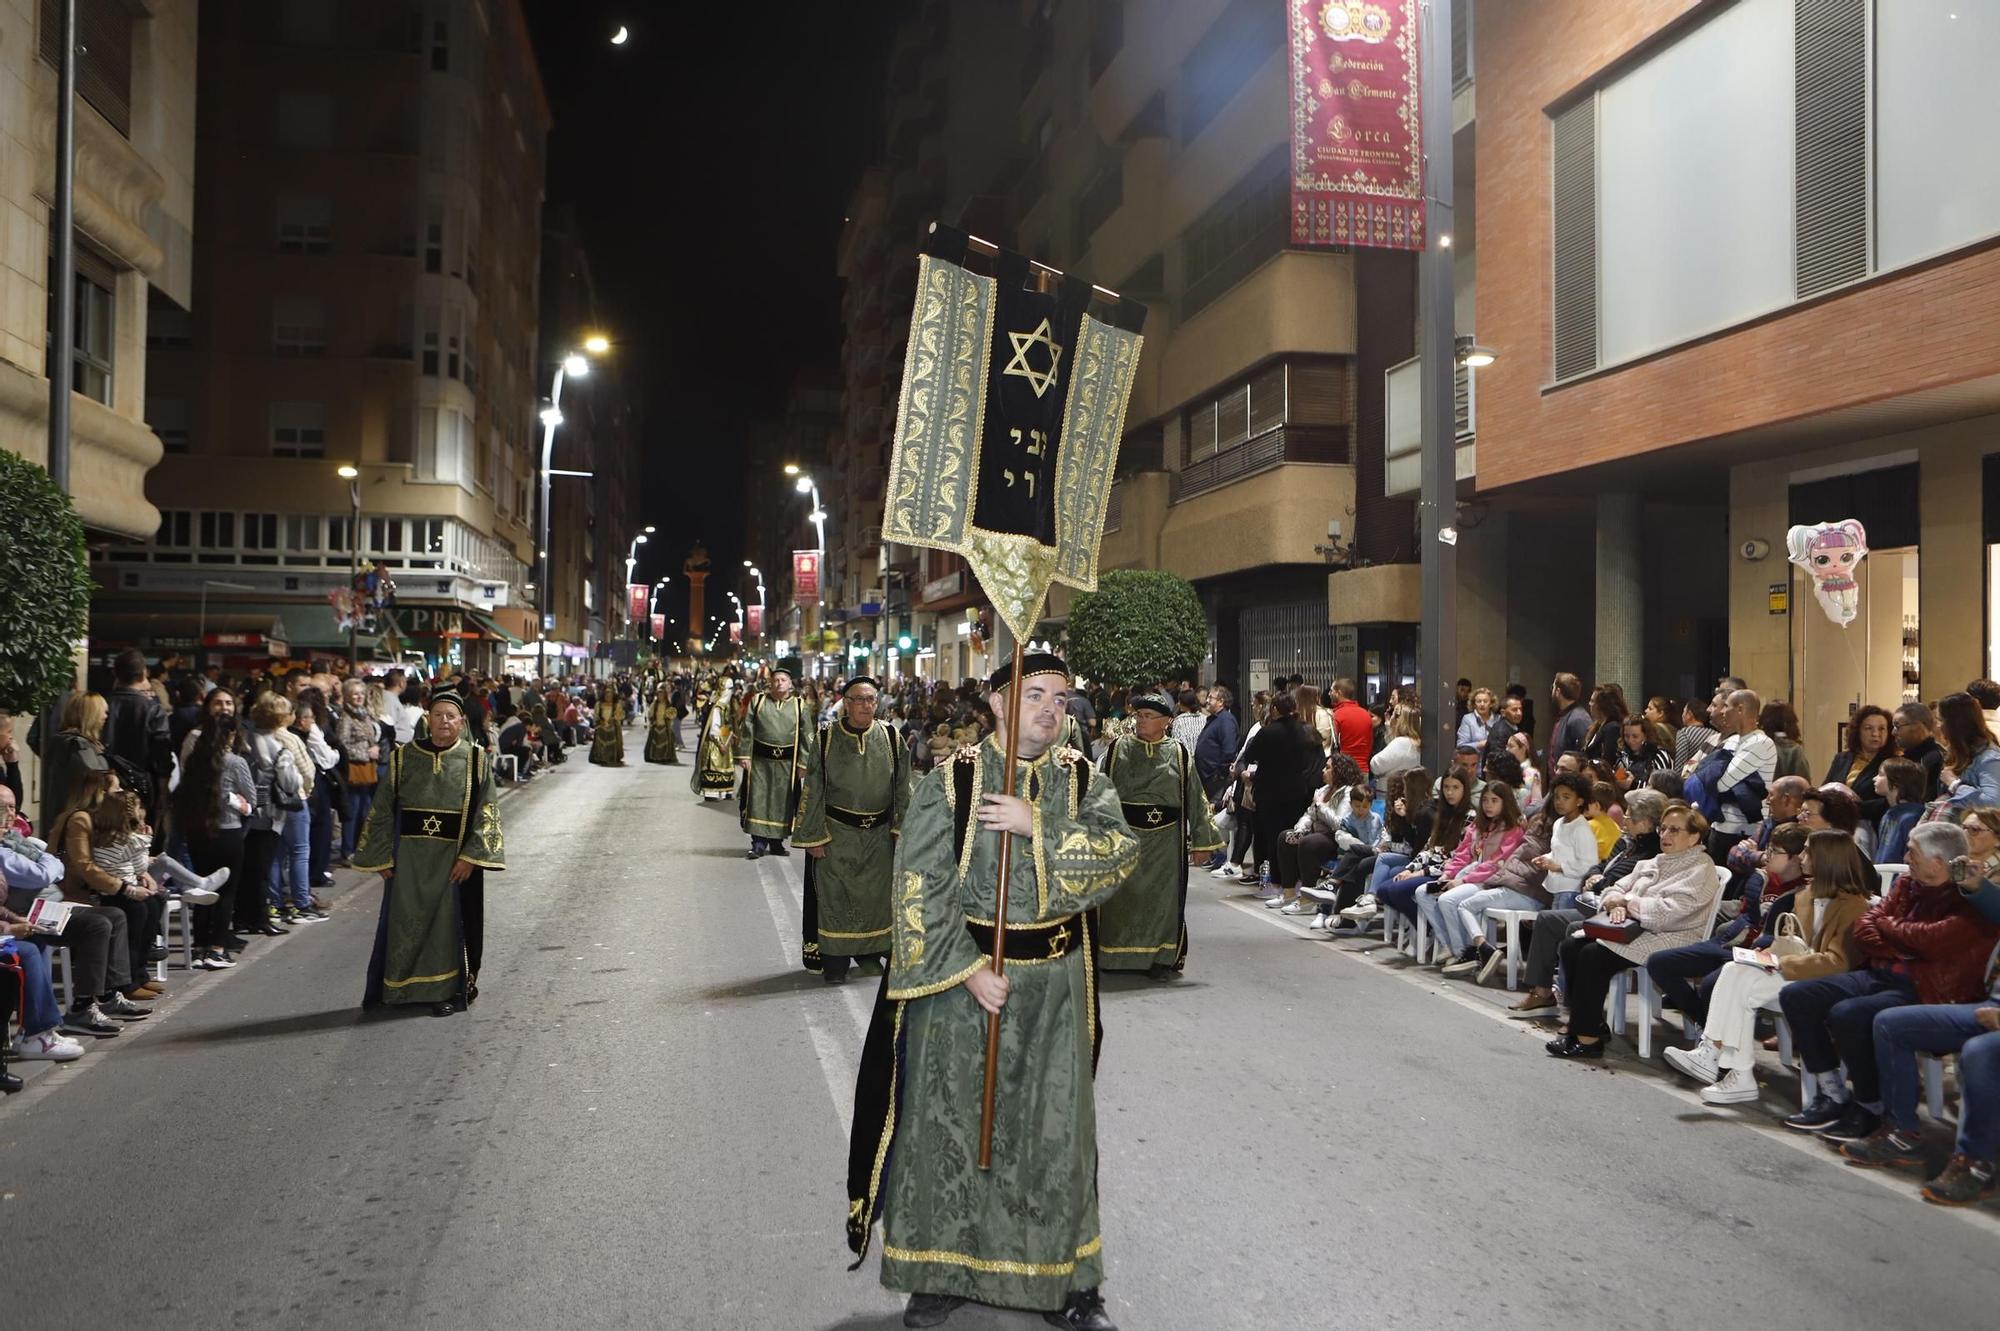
(1898, 1183)
(838, 1057)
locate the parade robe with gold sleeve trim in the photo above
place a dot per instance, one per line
(851, 779)
(661, 719)
(769, 799)
(607, 735)
(714, 775)
(1024, 1234)
(433, 806)
(1146, 924)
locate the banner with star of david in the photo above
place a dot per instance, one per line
(1013, 404)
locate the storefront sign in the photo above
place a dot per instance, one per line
(422, 621)
(805, 575)
(1357, 153)
(635, 602)
(1779, 597)
(951, 584)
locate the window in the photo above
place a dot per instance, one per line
(167, 324)
(1937, 161)
(103, 58)
(434, 247)
(441, 46)
(218, 531)
(1247, 225)
(1235, 47)
(92, 337)
(302, 534)
(298, 429)
(385, 536)
(168, 418)
(304, 224)
(175, 526)
(444, 439)
(260, 533)
(305, 120)
(1297, 392)
(298, 327)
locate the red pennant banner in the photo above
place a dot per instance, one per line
(659, 627)
(805, 575)
(1357, 133)
(635, 602)
(755, 614)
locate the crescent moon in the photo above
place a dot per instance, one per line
(619, 37)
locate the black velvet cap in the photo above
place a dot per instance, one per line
(1032, 664)
(1149, 702)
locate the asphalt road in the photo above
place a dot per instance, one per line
(642, 1124)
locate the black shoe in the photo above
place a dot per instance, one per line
(89, 1021)
(272, 929)
(930, 1309)
(833, 974)
(1819, 1114)
(234, 943)
(781, 850)
(9, 1083)
(1853, 1124)
(1083, 1311)
(444, 1009)
(754, 853)
(1568, 1046)
(157, 952)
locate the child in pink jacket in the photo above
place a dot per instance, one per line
(1491, 837)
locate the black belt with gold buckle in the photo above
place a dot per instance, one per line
(867, 822)
(438, 824)
(1046, 940)
(776, 752)
(1147, 817)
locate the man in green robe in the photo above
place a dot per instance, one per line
(1144, 927)
(432, 834)
(856, 789)
(1025, 1233)
(714, 776)
(770, 749)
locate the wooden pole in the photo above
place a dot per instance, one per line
(1013, 748)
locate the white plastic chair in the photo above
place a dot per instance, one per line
(61, 967)
(178, 910)
(1889, 873)
(1508, 923)
(512, 767)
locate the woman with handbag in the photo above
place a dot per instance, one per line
(1666, 902)
(358, 736)
(281, 786)
(1807, 942)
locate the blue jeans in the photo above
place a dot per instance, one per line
(39, 1010)
(1941, 1028)
(1472, 909)
(1387, 866)
(1833, 1021)
(293, 867)
(1686, 976)
(1402, 897)
(359, 800)
(1441, 909)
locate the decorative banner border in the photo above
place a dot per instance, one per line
(1357, 126)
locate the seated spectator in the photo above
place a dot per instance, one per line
(1969, 1031)
(1978, 878)
(1971, 774)
(1900, 783)
(1686, 975)
(1491, 839)
(1310, 842)
(1922, 943)
(1476, 724)
(1730, 784)
(1465, 761)
(512, 737)
(1601, 811)
(1782, 806)
(1830, 809)
(1356, 838)
(1667, 784)
(1406, 826)
(101, 981)
(1404, 749)
(1555, 851)
(1870, 743)
(1780, 721)
(1638, 756)
(1916, 739)
(1838, 885)
(1453, 812)
(1671, 897)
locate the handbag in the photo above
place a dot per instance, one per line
(361, 774)
(1605, 930)
(1788, 937)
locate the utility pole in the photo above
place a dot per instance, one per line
(62, 331)
(1438, 503)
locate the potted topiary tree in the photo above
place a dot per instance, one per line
(45, 595)
(1140, 626)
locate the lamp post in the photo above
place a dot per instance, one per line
(352, 475)
(1438, 487)
(571, 366)
(631, 559)
(805, 486)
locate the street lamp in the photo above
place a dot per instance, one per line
(352, 475)
(569, 366)
(632, 558)
(805, 486)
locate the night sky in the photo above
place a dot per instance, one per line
(710, 160)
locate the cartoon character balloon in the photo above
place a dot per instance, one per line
(1829, 552)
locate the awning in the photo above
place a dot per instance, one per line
(492, 627)
(298, 625)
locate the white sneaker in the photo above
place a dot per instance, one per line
(51, 1045)
(1296, 906)
(216, 879)
(1226, 871)
(1364, 909)
(200, 896)
(1738, 1086)
(1703, 1062)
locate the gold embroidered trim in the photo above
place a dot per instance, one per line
(1089, 989)
(482, 864)
(909, 923)
(971, 815)
(925, 991)
(826, 840)
(1031, 924)
(1041, 860)
(888, 1126)
(992, 1266)
(835, 933)
(420, 979)
(1155, 948)
(766, 822)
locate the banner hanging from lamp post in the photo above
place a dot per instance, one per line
(1013, 404)
(1357, 129)
(805, 575)
(755, 614)
(635, 602)
(659, 627)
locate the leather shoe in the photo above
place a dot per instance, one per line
(930, 1309)
(444, 1009)
(1568, 1046)
(9, 1083)
(1084, 1311)
(271, 930)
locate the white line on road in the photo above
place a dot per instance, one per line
(838, 1057)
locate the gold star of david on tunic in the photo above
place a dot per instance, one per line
(1058, 941)
(433, 825)
(1039, 380)
(1155, 817)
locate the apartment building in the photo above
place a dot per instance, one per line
(1740, 267)
(135, 213)
(365, 294)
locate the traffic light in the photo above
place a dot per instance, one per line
(903, 642)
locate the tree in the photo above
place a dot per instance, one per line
(1139, 627)
(45, 595)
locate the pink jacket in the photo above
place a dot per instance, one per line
(1474, 861)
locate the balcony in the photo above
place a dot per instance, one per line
(1402, 436)
(1273, 448)
(1275, 514)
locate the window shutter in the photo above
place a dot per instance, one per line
(1831, 125)
(104, 65)
(1267, 398)
(1575, 255)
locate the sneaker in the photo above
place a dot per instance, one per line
(89, 1021)
(122, 1008)
(313, 915)
(51, 1045)
(1490, 959)
(1738, 1086)
(1226, 872)
(157, 952)
(1962, 1182)
(1362, 910)
(1324, 890)
(1296, 906)
(1703, 1062)
(214, 880)
(200, 896)
(1885, 1148)
(1275, 902)
(1819, 1113)
(1853, 1124)
(1321, 921)
(213, 961)
(1465, 961)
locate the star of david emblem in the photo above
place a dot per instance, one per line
(1039, 380)
(1058, 941)
(868, 820)
(1154, 816)
(433, 825)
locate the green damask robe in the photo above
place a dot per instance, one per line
(714, 775)
(855, 792)
(433, 806)
(661, 723)
(772, 735)
(1024, 1234)
(1146, 924)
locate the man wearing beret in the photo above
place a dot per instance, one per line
(857, 785)
(770, 748)
(1024, 1234)
(432, 833)
(1144, 927)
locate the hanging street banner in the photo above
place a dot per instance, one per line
(1007, 433)
(805, 575)
(659, 627)
(755, 614)
(1357, 133)
(736, 634)
(635, 602)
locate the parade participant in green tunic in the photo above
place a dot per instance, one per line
(607, 729)
(661, 721)
(1025, 1233)
(432, 834)
(770, 748)
(1144, 927)
(856, 788)
(714, 776)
